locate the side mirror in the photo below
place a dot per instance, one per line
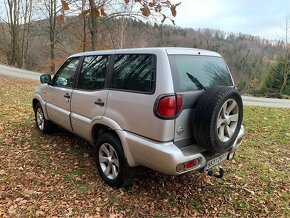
(45, 78)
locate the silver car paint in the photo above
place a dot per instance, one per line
(40, 96)
(146, 139)
(58, 107)
(164, 157)
(84, 110)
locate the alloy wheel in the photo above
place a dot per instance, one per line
(109, 161)
(227, 120)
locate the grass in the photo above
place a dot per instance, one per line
(55, 175)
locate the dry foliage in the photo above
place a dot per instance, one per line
(65, 5)
(55, 175)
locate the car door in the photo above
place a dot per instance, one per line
(59, 94)
(89, 98)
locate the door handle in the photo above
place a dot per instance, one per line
(100, 102)
(67, 96)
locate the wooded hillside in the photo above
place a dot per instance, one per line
(248, 56)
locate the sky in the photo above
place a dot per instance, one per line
(264, 18)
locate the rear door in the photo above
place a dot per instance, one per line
(89, 99)
(59, 94)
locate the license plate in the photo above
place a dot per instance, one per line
(213, 162)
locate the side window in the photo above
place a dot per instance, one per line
(133, 72)
(66, 74)
(93, 73)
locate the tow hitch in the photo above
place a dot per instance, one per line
(218, 173)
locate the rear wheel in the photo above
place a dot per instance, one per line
(111, 162)
(218, 118)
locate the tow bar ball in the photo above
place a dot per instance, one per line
(218, 174)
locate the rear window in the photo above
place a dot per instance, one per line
(209, 71)
(133, 72)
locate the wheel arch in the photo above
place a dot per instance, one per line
(37, 99)
(34, 103)
(107, 125)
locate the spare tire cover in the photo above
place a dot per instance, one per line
(217, 118)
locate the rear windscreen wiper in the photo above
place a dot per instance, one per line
(195, 81)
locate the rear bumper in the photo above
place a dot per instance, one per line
(163, 157)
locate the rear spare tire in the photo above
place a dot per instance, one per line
(218, 118)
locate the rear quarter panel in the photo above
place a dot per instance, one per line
(134, 111)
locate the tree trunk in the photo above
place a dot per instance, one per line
(285, 76)
(17, 34)
(84, 28)
(52, 25)
(93, 24)
(13, 29)
(19, 17)
(26, 30)
(52, 59)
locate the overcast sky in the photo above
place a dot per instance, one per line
(265, 18)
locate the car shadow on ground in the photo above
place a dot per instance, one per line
(144, 179)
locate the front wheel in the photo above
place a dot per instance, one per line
(111, 162)
(42, 124)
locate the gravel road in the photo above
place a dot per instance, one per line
(266, 102)
(16, 72)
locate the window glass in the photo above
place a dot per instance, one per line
(209, 71)
(66, 74)
(133, 72)
(93, 73)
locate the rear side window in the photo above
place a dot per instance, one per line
(93, 73)
(133, 72)
(209, 71)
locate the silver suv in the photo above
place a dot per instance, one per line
(174, 110)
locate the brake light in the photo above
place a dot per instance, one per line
(178, 103)
(191, 164)
(169, 106)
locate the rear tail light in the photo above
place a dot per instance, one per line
(187, 165)
(191, 164)
(180, 167)
(168, 106)
(239, 141)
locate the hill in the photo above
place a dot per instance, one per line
(248, 56)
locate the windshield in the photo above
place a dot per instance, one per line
(209, 71)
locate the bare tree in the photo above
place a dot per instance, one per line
(27, 15)
(140, 9)
(13, 23)
(84, 25)
(54, 12)
(18, 20)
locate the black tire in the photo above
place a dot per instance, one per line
(42, 124)
(212, 122)
(123, 170)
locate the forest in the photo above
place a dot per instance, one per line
(41, 43)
